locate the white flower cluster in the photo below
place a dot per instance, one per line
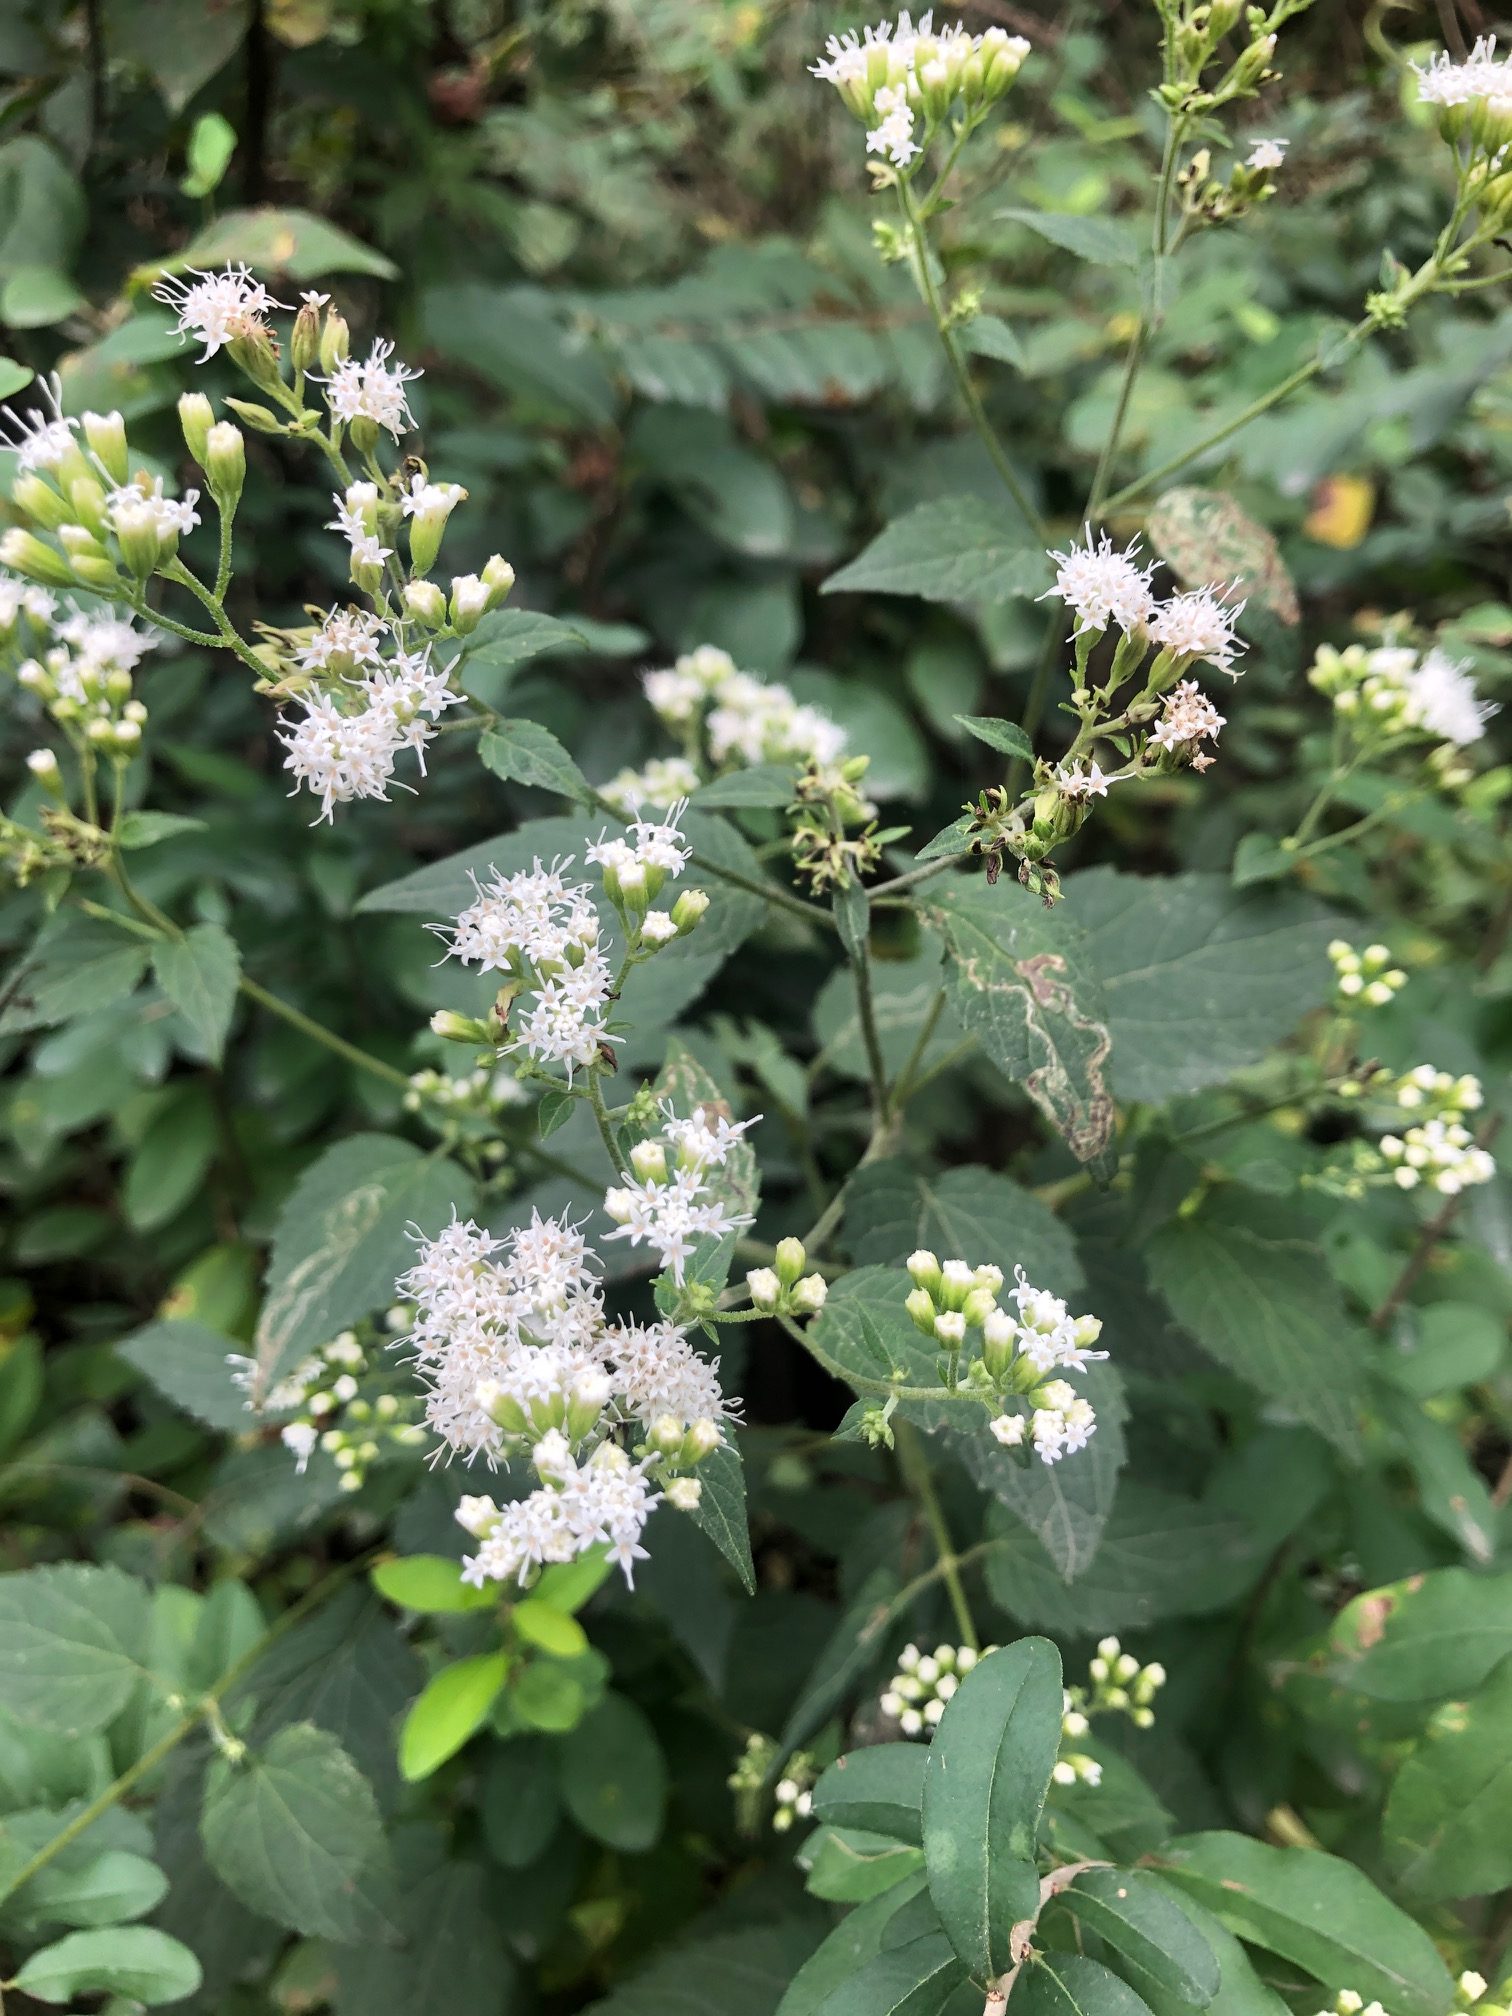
(340, 1405)
(916, 1696)
(1364, 979)
(673, 1202)
(1188, 717)
(1469, 1989)
(659, 784)
(1266, 157)
(481, 1093)
(1100, 585)
(1439, 1150)
(219, 309)
(41, 438)
(1118, 1684)
(1392, 691)
(1473, 97)
(84, 676)
(545, 934)
(793, 1797)
(902, 80)
(372, 389)
(1016, 1354)
(518, 1358)
(743, 719)
(349, 737)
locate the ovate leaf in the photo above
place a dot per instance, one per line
(450, 1710)
(523, 752)
(1149, 1931)
(985, 1780)
(613, 1776)
(879, 1789)
(198, 973)
(953, 549)
(134, 1961)
(73, 1645)
(1446, 1829)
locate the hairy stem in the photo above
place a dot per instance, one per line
(914, 1464)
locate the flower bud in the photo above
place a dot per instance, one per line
(304, 338)
(470, 602)
(424, 601)
(977, 1307)
(500, 1407)
(924, 1270)
(790, 1261)
(43, 765)
(498, 578)
(335, 341)
(225, 463)
(196, 418)
(999, 1342)
(921, 1310)
(106, 435)
(689, 909)
(683, 1493)
(950, 1329)
(97, 571)
(666, 1435)
(435, 503)
(702, 1439)
(87, 497)
(459, 1028)
(261, 419)
(765, 1289)
(24, 553)
(809, 1295)
(649, 1161)
(40, 501)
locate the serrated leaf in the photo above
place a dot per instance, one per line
(721, 1510)
(759, 784)
(1315, 1910)
(953, 549)
(1205, 536)
(108, 1888)
(135, 1961)
(1245, 1283)
(985, 1781)
(613, 1776)
(523, 752)
(73, 1645)
(294, 1831)
(186, 1362)
(145, 829)
(77, 966)
(341, 1238)
(1022, 981)
(199, 974)
(1005, 736)
(1101, 241)
(880, 1789)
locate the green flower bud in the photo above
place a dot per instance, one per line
(809, 1295)
(791, 1260)
(261, 419)
(196, 418)
(87, 496)
(498, 578)
(40, 502)
(457, 1028)
(765, 1289)
(921, 1310)
(424, 601)
(24, 553)
(304, 339)
(924, 1271)
(335, 341)
(225, 463)
(106, 435)
(689, 909)
(470, 603)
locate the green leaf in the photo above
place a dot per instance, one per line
(294, 1831)
(168, 1166)
(341, 1238)
(1068, 1984)
(985, 1781)
(181, 44)
(991, 336)
(1321, 1913)
(519, 1804)
(548, 1696)
(880, 1789)
(1148, 1929)
(451, 1709)
(953, 549)
(429, 1583)
(846, 1865)
(549, 1629)
(1022, 982)
(505, 640)
(923, 1978)
(186, 1362)
(1245, 1284)
(1199, 978)
(145, 829)
(613, 1776)
(1445, 1830)
(452, 1955)
(1423, 1639)
(966, 1213)
(198, 973)
(751, 1967)
(14, 377)
(1443, 1347)
(294, 242)
(136, 1961)
(1004, 736)
(523, 752)
(105, 1889)
(567, 1585)
(759, 784)
(721, 1510)
(212, 143)
(855, 1940)
(73, 1645)
(1241, 1992)
(1101, 241)
(37, 297)
(78, 966)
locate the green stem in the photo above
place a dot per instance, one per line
(914, 876)
(318, 1033)
(605, 1127)
(971, 398)
(878, 1389)
(914, 1465)
(875, 1062)
(903, 1084)
(229, 638)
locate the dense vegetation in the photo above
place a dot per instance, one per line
(756, 903)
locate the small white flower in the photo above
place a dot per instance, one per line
(1443, 700)
(1267, 156)
(1199, 624)
(217, 308)
(1101, 586)
(43, 436)
(1092, 782)
(372, 388)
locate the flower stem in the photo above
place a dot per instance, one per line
(914, 1464)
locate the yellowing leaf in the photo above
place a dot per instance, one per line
(1343, 507)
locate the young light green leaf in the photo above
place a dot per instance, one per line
(985, 1780)
(880, 1788)
(429, 1583)
(198, 973)
(294, 1831)
(136, 1961)
(613, 1776)
(549, 1629)
(1317, 1911)
(73, 1645)
(450, 1710)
